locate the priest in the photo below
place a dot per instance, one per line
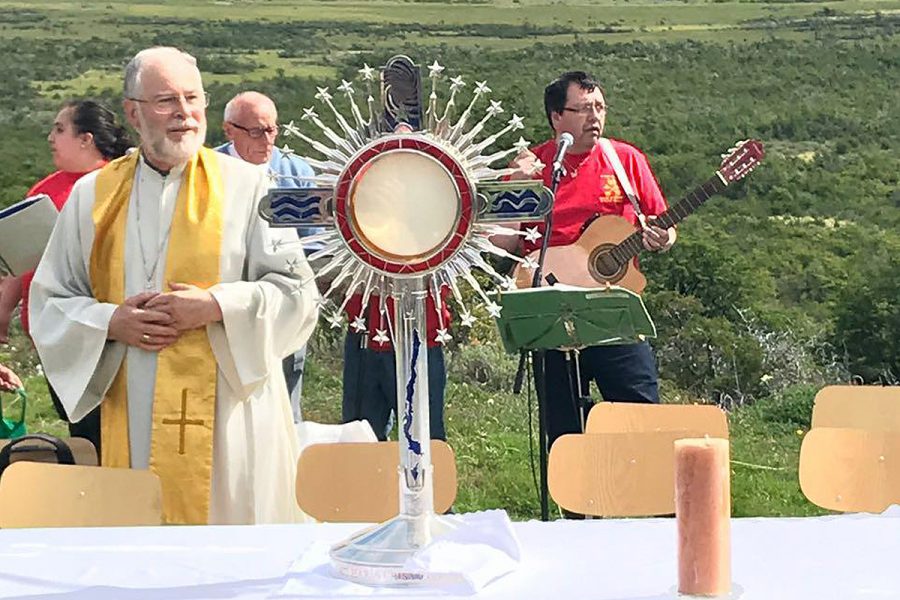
(165, 299)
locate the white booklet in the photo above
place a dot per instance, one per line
(25, 229)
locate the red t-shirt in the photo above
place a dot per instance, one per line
(374, 320)
(58, 186)
(590, 189)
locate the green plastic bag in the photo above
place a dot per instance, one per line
(11, 428)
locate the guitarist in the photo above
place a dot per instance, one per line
(575, 103)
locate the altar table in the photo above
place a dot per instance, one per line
(844, 557)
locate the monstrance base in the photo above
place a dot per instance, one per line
(378, 556)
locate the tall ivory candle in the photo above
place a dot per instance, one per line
(703, 512)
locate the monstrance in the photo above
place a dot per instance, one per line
(407, 214)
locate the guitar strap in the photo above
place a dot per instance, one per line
(622, 176)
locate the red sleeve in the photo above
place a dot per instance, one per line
(653, 202)
(57, 185)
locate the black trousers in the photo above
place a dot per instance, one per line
(88, 427)
(623, 373)
(370, 387)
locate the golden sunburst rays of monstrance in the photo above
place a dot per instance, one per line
(406, 214)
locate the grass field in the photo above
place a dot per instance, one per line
(583, 15)
(339, 28)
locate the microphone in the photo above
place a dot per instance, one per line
(563, 144)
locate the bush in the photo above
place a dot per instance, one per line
(792, 408)
(487, 365)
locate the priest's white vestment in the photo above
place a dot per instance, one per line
(269, 305)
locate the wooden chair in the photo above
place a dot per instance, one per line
(357, 482)
(614, 474)
(851, 470)
(34, 494)
(869, 407)
(695, 420)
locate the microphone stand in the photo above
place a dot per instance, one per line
(537, 356)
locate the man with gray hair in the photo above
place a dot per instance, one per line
(165, 299)
(251, 126)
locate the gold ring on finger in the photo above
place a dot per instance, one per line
(145, 338)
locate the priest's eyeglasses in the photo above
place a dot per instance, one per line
(166, 105)
(257, 132)
(588, 109)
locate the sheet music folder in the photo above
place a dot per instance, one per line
(569, 317)
(25, 229)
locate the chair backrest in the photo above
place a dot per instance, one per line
(34, 494)
(614, 474)
(870, 407)
(42, 448)
(696, 420)
(358, 482)
(851, 470)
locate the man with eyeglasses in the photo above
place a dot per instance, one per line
(575, 103)
(251, 126)
(163, 298)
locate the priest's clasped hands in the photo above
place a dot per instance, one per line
(154, 320)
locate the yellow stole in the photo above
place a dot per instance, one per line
(184, 398)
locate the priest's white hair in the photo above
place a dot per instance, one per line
(133, 68)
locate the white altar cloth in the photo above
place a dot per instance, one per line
(847, 557)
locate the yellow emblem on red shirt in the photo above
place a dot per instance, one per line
(610, 190)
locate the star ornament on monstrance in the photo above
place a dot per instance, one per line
(419, 205)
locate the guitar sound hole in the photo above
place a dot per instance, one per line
(603, 266)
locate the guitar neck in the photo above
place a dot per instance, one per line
(633, 244)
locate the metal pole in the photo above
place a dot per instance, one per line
(413, 430)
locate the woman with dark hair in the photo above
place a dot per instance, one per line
(96, 126)
(84, 137)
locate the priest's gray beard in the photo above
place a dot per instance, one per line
(167, 150)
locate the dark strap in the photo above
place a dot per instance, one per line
(39, 443)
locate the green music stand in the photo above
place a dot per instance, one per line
(567, 317)
(563, 317)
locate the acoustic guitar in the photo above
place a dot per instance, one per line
(607, 250)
